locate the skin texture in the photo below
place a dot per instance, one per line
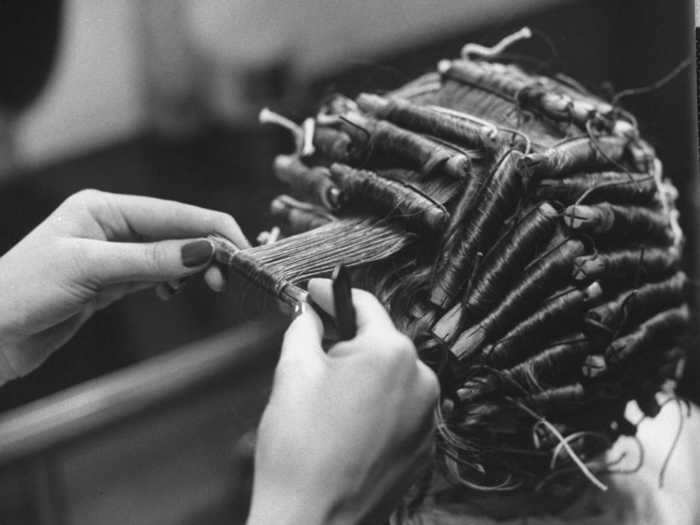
(92, 250)
(345, 432)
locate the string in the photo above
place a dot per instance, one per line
(267, 116)
(654, 85)
(676, 439)
(484, 51)
(574, 457)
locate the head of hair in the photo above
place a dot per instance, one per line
(540, 277)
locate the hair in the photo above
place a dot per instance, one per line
(534, 260)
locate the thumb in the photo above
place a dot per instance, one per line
(118, 262)
(302, 340)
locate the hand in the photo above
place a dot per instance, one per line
(92, 250)
(345, 433)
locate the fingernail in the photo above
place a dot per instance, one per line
(300, 308)
(197, 253)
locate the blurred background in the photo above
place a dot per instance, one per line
(135, 420)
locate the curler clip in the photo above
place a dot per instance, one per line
(471, 50)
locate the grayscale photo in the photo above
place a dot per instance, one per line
(392, 262)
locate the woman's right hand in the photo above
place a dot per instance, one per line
(345, 432)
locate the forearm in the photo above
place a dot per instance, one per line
(292, 508)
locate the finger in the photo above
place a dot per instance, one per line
(124, 216)
(370, 314)
(215, 278)
(119, 262)
(302, 340)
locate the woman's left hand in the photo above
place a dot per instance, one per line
(92, 250)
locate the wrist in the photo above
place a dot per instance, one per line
(273, 512)
(293, 507)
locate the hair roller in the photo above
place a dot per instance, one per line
(633, 306)
(610, 186)
(510, 256)
(314, 183)
(518, 229)
(624, 223)
(624, 267)
(663, 326)
(298, 216)
(555, 317)
(578, 154)
(389, 197)
(557, 364)
(426, 155)
(535, 286)
(495, 204)
(336, 145)
(443, 190)
(428, 121)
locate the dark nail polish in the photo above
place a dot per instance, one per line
(197, 253)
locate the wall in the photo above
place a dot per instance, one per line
(96, 92)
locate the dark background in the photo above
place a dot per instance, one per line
(609, 45)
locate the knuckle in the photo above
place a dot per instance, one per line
(401, 347)
(226, 220)
(85, 251)
(395, 352)
(83, 197)
(223, 223)
(364, 299)
(81, 260)
(155, 257)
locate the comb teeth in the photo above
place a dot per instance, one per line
(541, 272)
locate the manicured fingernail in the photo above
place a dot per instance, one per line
(197, 253)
